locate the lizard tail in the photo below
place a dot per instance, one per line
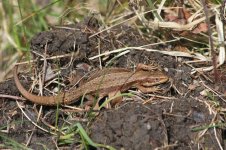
(42, 100)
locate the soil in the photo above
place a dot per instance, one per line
(180, 118)
(166, 124)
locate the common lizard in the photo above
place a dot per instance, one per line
(108, 81)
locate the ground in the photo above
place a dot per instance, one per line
(184, 116)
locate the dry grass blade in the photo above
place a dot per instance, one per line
(35, 124)
(170, 53)
(176, 26)
(220, 33)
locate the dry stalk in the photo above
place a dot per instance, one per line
(213, 54)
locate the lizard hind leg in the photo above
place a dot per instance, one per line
(116, 100)
(144, 89)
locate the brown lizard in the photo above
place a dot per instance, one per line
(107, 81)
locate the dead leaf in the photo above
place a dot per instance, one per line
(202, 27)
(192, 87)
(181, 49)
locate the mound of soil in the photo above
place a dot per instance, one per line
(171, 124)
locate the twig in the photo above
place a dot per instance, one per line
(35, 124)
(215, 92)
(214, 61)
(12, 97)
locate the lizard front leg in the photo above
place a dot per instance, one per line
(150, 67)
